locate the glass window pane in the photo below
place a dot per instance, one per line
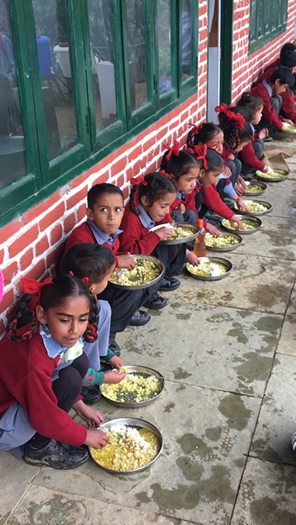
(137, 52)
(273, 14)
(12, 144)
(260, 17)
(186, 32)
(266, 16)
(164, 45)
(100, 27)
(51, 22)
(252, 34)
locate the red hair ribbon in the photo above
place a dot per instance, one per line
(33, 287)
(174, 149)
(201, 152)
(223, 108)
(237, 117)
(195, 128)
(163, 172)
(138, 180)
(92, 332)
(190, 150)
(84, 279)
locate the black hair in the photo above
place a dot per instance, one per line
(249, 101)
(284, 74)
(288, 59)
(234, 134)
(287, 47)
(52, 295)
(157, 186)
(202, 133)
(214, 160)
(89, 260)
(98, 189)
(179, 165)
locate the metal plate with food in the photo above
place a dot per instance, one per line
(134, 445)
(290, 129)
(256, 207)
(224, 243)
(250, 223)
(182, 232)
(210, 269)
(147, 272)
(275, 176)
(141, 386)
(255, 188)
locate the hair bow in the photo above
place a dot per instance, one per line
(163, 172)
(195, 129)
(174, 149)
(33, 287)
(238, 118)
(85, 280)
(188, 149)
(138, 180)
(201, 152)
(222, 108)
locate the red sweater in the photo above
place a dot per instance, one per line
(288, 105)
(268, 112)
(265, 75)
(188, 201)
(212, 200)
(135, 238)
(83, 233)
(248, 156)
(25, 376)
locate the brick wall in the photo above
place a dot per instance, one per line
(246, 68)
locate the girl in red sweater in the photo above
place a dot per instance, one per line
(42, 367)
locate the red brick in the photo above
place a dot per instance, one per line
(125, 193)
(79, 180)
(69, 223)
(55, 256)
(77, 198)
(52, 216)
(22, 242)
(149, 143)
(81, 212)
(129, 173)
(36, 272)
(41, 246)
(102, 178)
(118, 166)
(7, 300)
(43, 206)
(1, 256)
(26, 259)
(135, 153)
(56, 234)
(120, 181)
(162, 133)
(8, 231)
(136, 168)
(9, 272)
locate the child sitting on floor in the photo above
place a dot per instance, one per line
(270, 91)
(42, 367)
(94, 264)
(105, 209)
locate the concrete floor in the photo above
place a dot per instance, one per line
(227, 352)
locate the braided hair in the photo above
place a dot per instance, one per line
(154, 187)
(234, 131)
(51, 295)
(202, 134)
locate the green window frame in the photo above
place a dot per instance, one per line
(268, 19)
(44, 176)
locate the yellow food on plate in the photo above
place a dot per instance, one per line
(271, 174)
(224, 241)
(134, 388)
(179, 232)
(144, 272)
(128, 448)
(254, 188)
(290, 128)
(207, 269)
(256, 207)
(247, 223)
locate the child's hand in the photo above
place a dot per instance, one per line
(116, 362)
(263, 133)
(240, 187)
(288, 122)
(181, 207)
(192, 258)
(96, 439)
(164, 232)
(114, 377)
(126, 261)
(212, 230)
(91, 416)
(242, 205)
(234, 220)
(267, 169)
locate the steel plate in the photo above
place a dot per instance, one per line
(250, 201)
(225, 262)
(144, 285)
(255, 193)
(193, 227)
(243, 218)
(264, 176)
(224, 248)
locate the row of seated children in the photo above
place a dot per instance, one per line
(44, 363)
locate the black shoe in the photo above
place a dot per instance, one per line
(90, 394)
(114, 346)
(56, 455)
(139, 318)
(155, 301)
(169, 284)
(267, 139)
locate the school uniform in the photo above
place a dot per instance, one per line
(137, 238)
(124, 303)
(189, 203)
(235, 164)
(288, 109)
(271, 107)
(28, 403)
(265, 75)
(209, 198)
(251, 153)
